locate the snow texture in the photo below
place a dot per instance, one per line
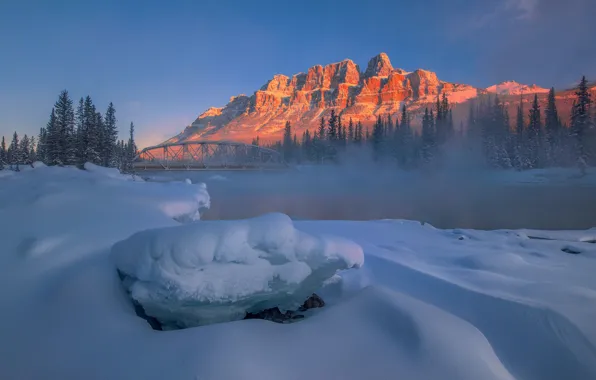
(428, 303)
(217, 271)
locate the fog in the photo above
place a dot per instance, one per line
(465, 198)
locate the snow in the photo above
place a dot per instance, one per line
(217, 271)
(514, 88)
(427, 304)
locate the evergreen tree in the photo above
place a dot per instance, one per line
(288, 148)
(581, 122)
(534, 143)
(332, 127)
(32, 153)
(378, 139)
(552, 130)
(24, 150)
(322, 129)
(405, 140)
(53, 148)
(131, 149)
(428, 137)
(110, 137)
(41, 145)
(14, 153)
(82, 138)
(3, 153)
(350, 136)
(64, 125)
(358, 136)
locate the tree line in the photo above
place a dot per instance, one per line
(73, 138)
(535, 140)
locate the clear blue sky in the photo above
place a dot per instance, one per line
(163, 62)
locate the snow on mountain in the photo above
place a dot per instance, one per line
(304, 98)
(514, 88)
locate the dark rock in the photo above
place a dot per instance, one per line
(275, 315)
(312, 302)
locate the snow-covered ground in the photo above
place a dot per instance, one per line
(427, 303)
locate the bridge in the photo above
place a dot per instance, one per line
(208, 155)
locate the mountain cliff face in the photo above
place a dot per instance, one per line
(304, 98)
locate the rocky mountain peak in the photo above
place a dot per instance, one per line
(379, 66)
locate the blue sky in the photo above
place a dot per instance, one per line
(163, 62)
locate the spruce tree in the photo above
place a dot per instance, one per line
(32, 146)
(552, 130)
(378, 139)
(350, 136)
(428, 137)
(332, 127)
(53, 148)
(82, 138)
(358, 135)
(41, 146)
(131, 148)
(66, 144)
(534, 148)
(581, 122)
(110, 136)
(322, 129)
(24, 150)
(405, 140)
(287, 145)
(3, 153)
(14, 154)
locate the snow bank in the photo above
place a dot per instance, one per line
(427, 304)
(218, 271)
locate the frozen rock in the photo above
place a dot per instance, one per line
(219, 271)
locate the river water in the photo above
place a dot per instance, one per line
(482, 200)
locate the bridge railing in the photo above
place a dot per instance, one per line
(201, 155)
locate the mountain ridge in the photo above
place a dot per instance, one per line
(303, 98)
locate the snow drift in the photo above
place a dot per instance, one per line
(429, 303)
(218, 271)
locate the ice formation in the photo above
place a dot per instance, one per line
(218, 271)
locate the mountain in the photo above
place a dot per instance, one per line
(514, 88)
(304, 98)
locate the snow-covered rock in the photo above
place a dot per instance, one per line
(218, 271)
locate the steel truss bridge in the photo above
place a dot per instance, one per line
(208, 155)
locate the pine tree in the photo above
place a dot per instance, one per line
(552, 130)
(288, 148)
(581, 122)
(64, 125)
(358, 136)
(24, 150)
(322, 129)
(405, 140)
(131, 149)
(110, 136)
(82, 138)
(332, 127)
(32, 146)
(14, 153)
(3, 154)
(350, 136)
(428, 137)
(378, 139)
(534, 147)
(53, 148)
(41, 146)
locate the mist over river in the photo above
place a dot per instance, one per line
(552, 199)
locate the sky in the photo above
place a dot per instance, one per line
(162, 63)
